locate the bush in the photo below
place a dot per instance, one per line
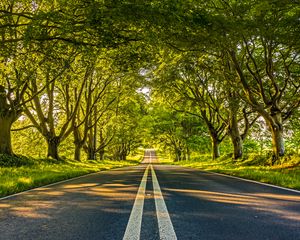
(14, 161)
(257, 160)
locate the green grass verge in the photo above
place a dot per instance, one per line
(285, 175)
(31, 173)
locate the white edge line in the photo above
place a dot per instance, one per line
(253, 181)
(59, 182)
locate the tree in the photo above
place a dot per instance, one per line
(14, 72)
(54, 100)
(177, 132)
(266, 65)
(127, 123)
(198, 86)
(99, 95)
(259, 39)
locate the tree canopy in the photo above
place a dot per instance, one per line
(107, 77)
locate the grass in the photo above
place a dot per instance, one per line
(26, 173)
(285, 174)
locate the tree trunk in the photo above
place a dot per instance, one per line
(91, 148)
(101, 153)
(53, 144)
(215, 148)
(214, 136)
(236, 140)
(5, 135)
(91, 155)
(188, 153)
(276, 128)
(102, 145)
(277, 143)
(178, 154)
(93, 139)
(124, 152)
(77, 153)
(8, 114)
(78, 144)
(237, 146)
(234, 131)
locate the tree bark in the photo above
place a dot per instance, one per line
(8, 114)
(78, 143)
(102, 145)
(277, 142)
(237, 143)
(178, 154)
(5, 135)
(53, 144)
(123, 151)
(91, 148)
(215, 148)
(101, 153)
(236, 138)
(188, 153)
(91, 154)
(274, 121)
(77, 153)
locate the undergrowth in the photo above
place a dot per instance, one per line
(19, 173)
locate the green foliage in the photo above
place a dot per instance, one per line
(14, 161)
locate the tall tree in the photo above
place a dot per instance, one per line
(266, 64)
(99, 95)
(14, 70)
(54, 93)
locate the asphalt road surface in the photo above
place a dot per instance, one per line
(152, 201)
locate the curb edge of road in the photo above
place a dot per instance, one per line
(253, 181)
(59, 182)
(243, 179)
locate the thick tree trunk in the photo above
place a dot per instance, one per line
(215, 140)
(237, 143)
(183, 156)
(276, 128)
(77, 153)
(215, 148)
(78, 143)
(5, 135)
(53, 144)
(91, 148)
(124, 156)
(91, 154)
(277, 143)
(234, 132)
(236, 140)
(8, 114)
(177, 154)
(188, 153)
(101, 153)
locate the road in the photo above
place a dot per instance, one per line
(152, 201)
